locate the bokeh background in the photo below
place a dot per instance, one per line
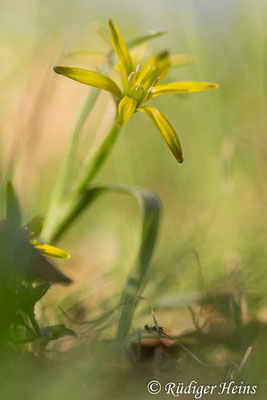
(213, 204)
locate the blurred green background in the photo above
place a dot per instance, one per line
(214, 203)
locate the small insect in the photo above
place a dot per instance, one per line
(151, 329)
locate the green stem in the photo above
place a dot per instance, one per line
(65, 170)
(98, 159)
(68, 163)
(57, 229)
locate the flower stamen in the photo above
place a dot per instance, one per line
(131, 76)
(156, 81)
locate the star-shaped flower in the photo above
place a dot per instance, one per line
(140, 84)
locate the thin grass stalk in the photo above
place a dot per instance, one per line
(56, 226)
(67, 165)
(64, 174)
(137, 277)
(60, 189)
(135, 283)
(59, 192)
(98, 159)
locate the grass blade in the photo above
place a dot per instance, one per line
(136, 281)
(150, 207)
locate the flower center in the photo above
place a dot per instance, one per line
(141, 82)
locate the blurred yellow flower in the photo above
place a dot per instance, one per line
(21, 255)
(33, 229)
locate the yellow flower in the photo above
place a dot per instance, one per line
(41, 267)
(33, 229)
(140, 84)
(21, 256)
(20, 253)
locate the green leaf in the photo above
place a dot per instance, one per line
(150, 207)
(39, 291)
(29, 296)
(182, 87)
(121, 49)
(56, 332)
(13, 211)
(165, 128)
(42, 268)
(136, 280)
(90, 78)
(127, 107)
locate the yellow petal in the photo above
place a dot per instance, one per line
(121, 49)
(34, 227)
(182, 87)
(52, 251)
(126, 109)
(178, 60)
(166, 130)
(149, 78)
(162, 63)
(91, 78)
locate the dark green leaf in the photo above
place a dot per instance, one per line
(57, 331)
(29, 296)
(13, 211)
(39, 291)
